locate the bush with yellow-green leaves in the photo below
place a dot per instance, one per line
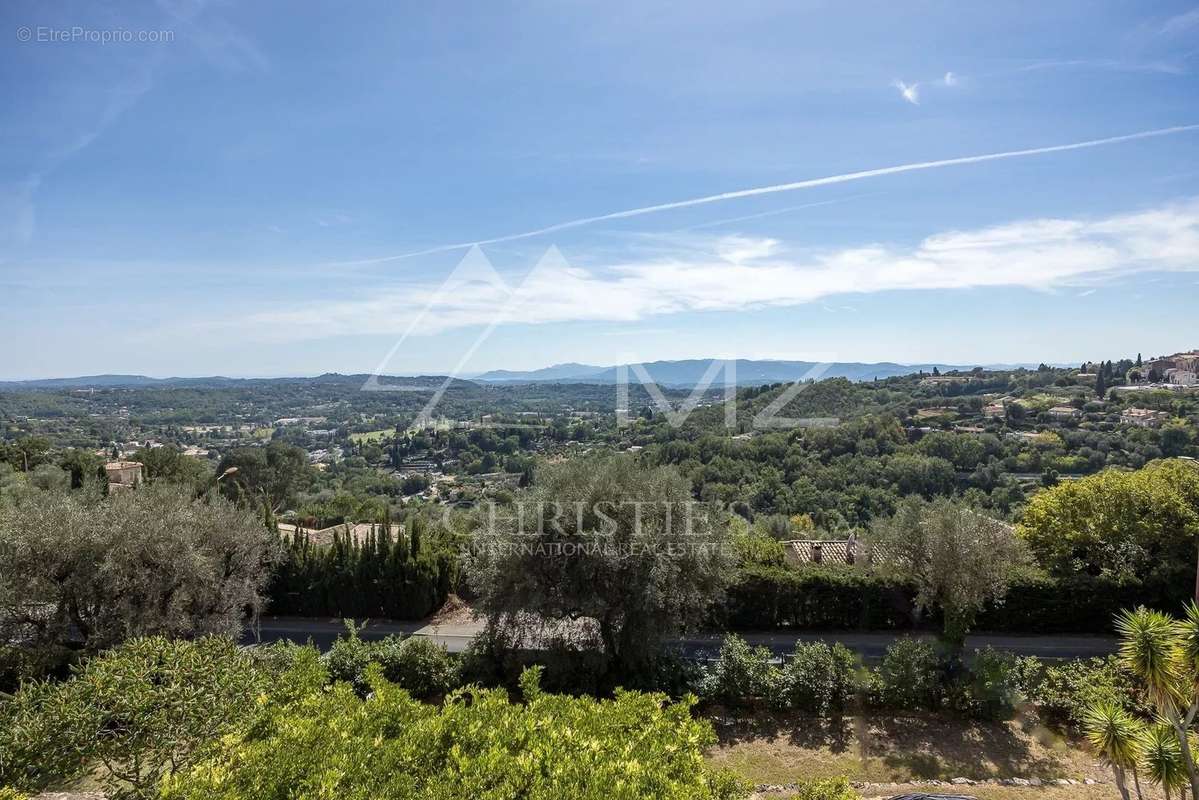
(130, 716)
(206, 719)
(478, 743)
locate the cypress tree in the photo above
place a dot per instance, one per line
(414, 538)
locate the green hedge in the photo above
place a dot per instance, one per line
(832, 598)
(816, 598)
(1083, 603)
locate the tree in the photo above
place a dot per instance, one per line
(270, 474)
(89, 572)
(26, 453)
(1176, 438)
(959, 558)
(1116, 736)
(169, 465)
(82, 465)
(1101, 385)
(1163, 653)
(1117, 523)
(1161, 758)
(602, 549)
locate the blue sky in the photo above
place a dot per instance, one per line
(272, 189)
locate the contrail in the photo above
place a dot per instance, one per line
(782, 187)
(775, 212)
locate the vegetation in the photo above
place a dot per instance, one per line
(621, 549)
(405, 577)
(1117, 523)
(138, 713)
(958, 559)
(84, 572)
(1163, 653)
(585, 567)
(418, 665)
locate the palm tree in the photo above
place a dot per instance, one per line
(1116, 735)
(1164, 653)
(1161, 758)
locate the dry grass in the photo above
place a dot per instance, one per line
(769, 748)
(1107, 792)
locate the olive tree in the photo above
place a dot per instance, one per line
(603, 549)
(958, 558)
(83, 571)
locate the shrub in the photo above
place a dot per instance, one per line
(819, 679)
(989, 689)
(741, 675)
(349, 657)
(676, 676)
(140, 711)
(488, 660)
(1062, 693)
(910, 675)
(827, 789)
(280, 656)
(417, 664)
(477, 744)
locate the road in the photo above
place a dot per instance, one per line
(870, 644)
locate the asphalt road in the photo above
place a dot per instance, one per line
(455, 638)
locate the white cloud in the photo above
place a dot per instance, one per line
(910, 92)
(1181, 23)
(734, 273)
(950, 79)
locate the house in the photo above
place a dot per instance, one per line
(1181, 377)
(359, 532)
(123, 474)
(421, 465)
(1064, 412)
(1144, 417)
(936, 411)
(1179, 369)
(831, 551)
(995, 411)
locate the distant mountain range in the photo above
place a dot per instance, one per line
(682, 373)
(748, 372)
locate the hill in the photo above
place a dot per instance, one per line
(748, 372)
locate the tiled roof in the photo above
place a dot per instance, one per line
(832, 551)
